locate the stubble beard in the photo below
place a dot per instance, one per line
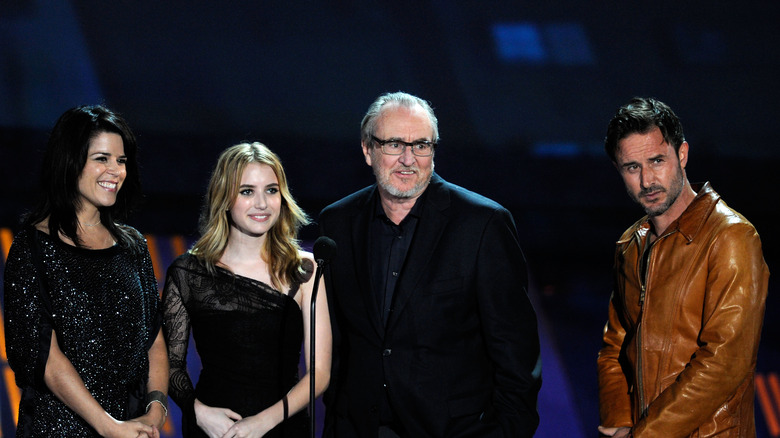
(383, 180)
(672, 193)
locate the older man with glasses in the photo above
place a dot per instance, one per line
(434, 334)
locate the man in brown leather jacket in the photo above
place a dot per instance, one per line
(685, 316)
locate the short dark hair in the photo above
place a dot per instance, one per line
(640, 116)
(63, 162)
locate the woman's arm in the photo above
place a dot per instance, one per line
(28, 313)
(176, 329)
(156, 413)
(298, 397)
(64, 381)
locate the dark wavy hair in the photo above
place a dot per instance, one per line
(640, 116)
(63, 162)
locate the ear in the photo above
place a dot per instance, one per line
(682, 154)
(366, 152)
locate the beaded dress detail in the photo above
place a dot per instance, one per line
(103, 306)
(248, 336)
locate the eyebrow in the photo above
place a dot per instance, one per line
(413, 141)
(634, 162)
(107, 154)
(253, 185)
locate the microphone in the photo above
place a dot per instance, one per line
(324, 250)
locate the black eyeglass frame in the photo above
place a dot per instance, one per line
(411, 145)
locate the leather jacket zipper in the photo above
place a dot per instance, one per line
(639, 383)
(642, 293)
(639, 375)
(644, 269)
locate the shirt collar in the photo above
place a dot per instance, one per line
(693, 218)
(416, 210)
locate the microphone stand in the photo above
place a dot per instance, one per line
(312, 334)
(324, 249)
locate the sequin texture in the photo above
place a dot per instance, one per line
(103, 307)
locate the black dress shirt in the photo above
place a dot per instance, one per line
(389, 245)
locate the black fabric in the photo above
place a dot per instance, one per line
(459, 354)
(389, 245)
(44, 335)
(248, 336)
(103, 305)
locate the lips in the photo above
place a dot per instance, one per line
(651, 193)
(259, 217)
(405, 172)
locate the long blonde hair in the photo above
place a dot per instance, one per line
(281, 247)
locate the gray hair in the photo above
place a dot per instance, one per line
(399, 98)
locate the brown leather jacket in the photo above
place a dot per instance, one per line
(680, 346)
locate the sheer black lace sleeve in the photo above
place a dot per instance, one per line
(176, 327)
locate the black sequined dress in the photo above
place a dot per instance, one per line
(248, 336)
(103, 306)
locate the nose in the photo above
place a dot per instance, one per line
(647, 177)
(113, 167)
(260, 201)
(407, 158)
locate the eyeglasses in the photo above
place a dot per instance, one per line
(397, 147)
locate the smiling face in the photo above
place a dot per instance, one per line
(258, 203)
(405, 176)
(652, 172)
(103, 173)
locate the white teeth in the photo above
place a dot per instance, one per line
(107, 185)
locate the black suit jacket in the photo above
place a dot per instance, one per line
(460, 352)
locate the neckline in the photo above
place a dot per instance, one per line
(60, 244)
(266, 286)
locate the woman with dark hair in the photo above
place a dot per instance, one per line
(245, 290)
(83, 324)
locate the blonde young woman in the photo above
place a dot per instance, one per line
(244, 289)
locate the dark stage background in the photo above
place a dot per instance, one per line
(523, 92)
